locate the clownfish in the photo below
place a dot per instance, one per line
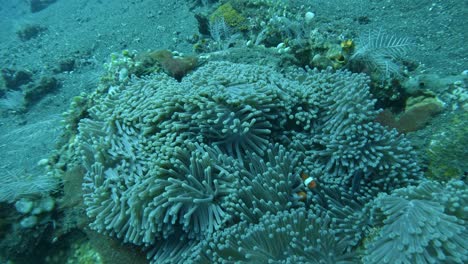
(301, 196)
(309, 181)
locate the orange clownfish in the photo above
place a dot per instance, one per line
(301, 196)
(309, 181)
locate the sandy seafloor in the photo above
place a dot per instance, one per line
(89, 30)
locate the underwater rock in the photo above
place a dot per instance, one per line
(176, 67)
(35, 91)
(419, 114)
(28, 32)
(38, 5)
(419, 111)
(65, 65)
(15, 78)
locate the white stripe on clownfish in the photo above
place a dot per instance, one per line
(309, 181)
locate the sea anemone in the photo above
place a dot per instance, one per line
(293, 236)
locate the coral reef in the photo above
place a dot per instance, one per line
(242, 163)
(172, 165)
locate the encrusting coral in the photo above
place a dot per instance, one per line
(178, 167)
